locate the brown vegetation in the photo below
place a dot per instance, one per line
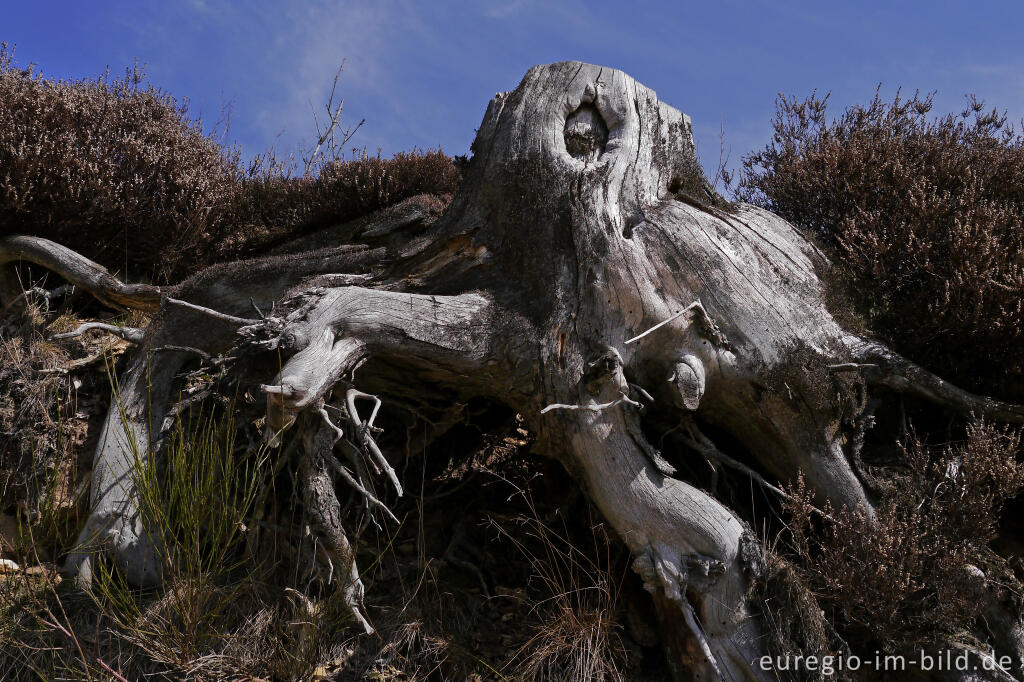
(112, 167)
(120, 171)
(923, 216)
(921, 570)
(235, 603)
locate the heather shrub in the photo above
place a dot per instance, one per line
(112, 168)
(920, 570)
(923, 216)
(119, 171)
(272, 205)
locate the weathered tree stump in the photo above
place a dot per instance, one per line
(585, 276)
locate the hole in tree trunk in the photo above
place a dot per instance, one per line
(586, 134)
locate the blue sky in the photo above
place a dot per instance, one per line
(421, 73)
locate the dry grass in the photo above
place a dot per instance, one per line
(43, 426)
(222, 612)
(576, 637)
(237, 604)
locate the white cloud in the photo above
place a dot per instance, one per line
(499, 9)
(279, 58)
(310, 41)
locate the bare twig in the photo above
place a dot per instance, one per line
(110, 670)
(188, 349)
(363, 429)
(597, 407)
(209, 311)
(704, 445)
(698, 632)
(696, 439)
(338, 433)
(181, 405)
(643, 392)
(636, 433)
(130, 334)
(328, 133)
(340, 469)
(257, 309)
(723, 161)
(692, 306)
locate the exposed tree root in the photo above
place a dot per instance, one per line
(130, 334)
(881, 366)
(80, 271)
(325, 511)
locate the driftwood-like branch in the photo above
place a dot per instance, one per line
(212, 313)
(564, 241)
(325, 512)
(130, 334)
(80, 271)
(365, 437)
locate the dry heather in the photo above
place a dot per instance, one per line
(109, 167)
(921, 571)
(120, 171)
(48, 418)
(924, 217)
(272, 208)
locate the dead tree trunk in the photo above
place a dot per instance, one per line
(585, 275)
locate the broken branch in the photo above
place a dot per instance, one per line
(80, 271)
(364, 433)
(130, 334)
(592, 408)
(695, 304)
(212, 313)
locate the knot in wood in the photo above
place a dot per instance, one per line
(586, 133)
(690, 379)
(294, 339)
(606, 366)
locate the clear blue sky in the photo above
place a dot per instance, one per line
(421, 73)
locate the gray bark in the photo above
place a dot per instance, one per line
(582, 226)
